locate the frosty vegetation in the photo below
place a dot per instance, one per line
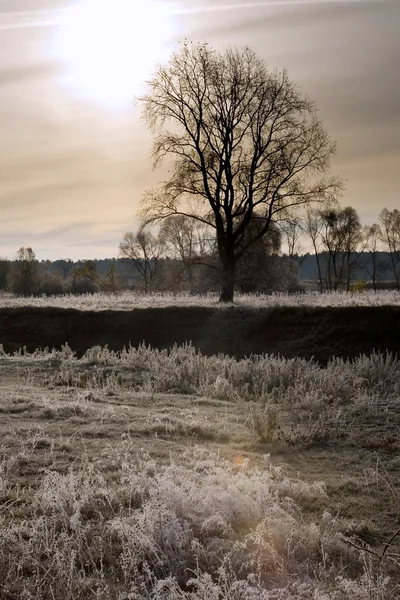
(109, 517)
(130, 300)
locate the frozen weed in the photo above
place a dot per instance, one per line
(264, 423)
(263, 378)
(64, 412)
(330, 425)
(197, 530)
(73, 375)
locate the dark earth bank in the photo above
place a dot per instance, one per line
(238, 331)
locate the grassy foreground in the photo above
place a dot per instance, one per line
(148, 474)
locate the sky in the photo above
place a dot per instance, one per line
(74, 152)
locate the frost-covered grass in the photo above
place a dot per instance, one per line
(144, 475)
(259, 378)
(130, 300)
(206, 530)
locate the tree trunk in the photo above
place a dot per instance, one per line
(228, 282)
(319, 270)
(348, 280)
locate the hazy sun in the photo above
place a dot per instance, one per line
(110, 47)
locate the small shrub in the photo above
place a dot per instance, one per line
(330, 425)
(358, 287)
(264, 423)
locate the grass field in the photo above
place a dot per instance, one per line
(148, 474)
(131, 300)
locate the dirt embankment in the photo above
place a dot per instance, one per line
(306, 332)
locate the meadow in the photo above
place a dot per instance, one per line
(127, 300)
(167, 474)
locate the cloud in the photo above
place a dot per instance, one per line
(10, 76)
(267, 3)
(28, 19)
(46, 18)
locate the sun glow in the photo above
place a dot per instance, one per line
(110, 47)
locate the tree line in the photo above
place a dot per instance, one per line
(27, 276)
(182, 256)
(147, 264)
(343, 247)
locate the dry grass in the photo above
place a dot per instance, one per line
(167, 474)
(131, 300)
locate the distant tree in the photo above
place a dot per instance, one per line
(52, 284)
(144, 250)
(281, 275)
(313, 227)
(254, 267)
(85, 279)
(338, 241)
(354, 242)
(333, 240)
(65, 267)
(390, 228)
(191, 242)
(291, 233)
(373, 266)
(4, 273)
(24, 273)
(243, 140)
(112, 281)
(87, 269)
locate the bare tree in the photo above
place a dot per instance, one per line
(373, 236)
(24, 273)
(333, 240)
(354, 241)
(313, 226)
(291, 232)
(338, 241)
(145, 250)
(112, 281)
(243, 140)
(191, 242)
(390, 226)
(343, 241)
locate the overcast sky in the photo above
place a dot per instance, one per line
(74, 155)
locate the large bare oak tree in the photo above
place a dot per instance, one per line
(245, 144)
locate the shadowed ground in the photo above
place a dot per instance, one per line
(291, 331)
